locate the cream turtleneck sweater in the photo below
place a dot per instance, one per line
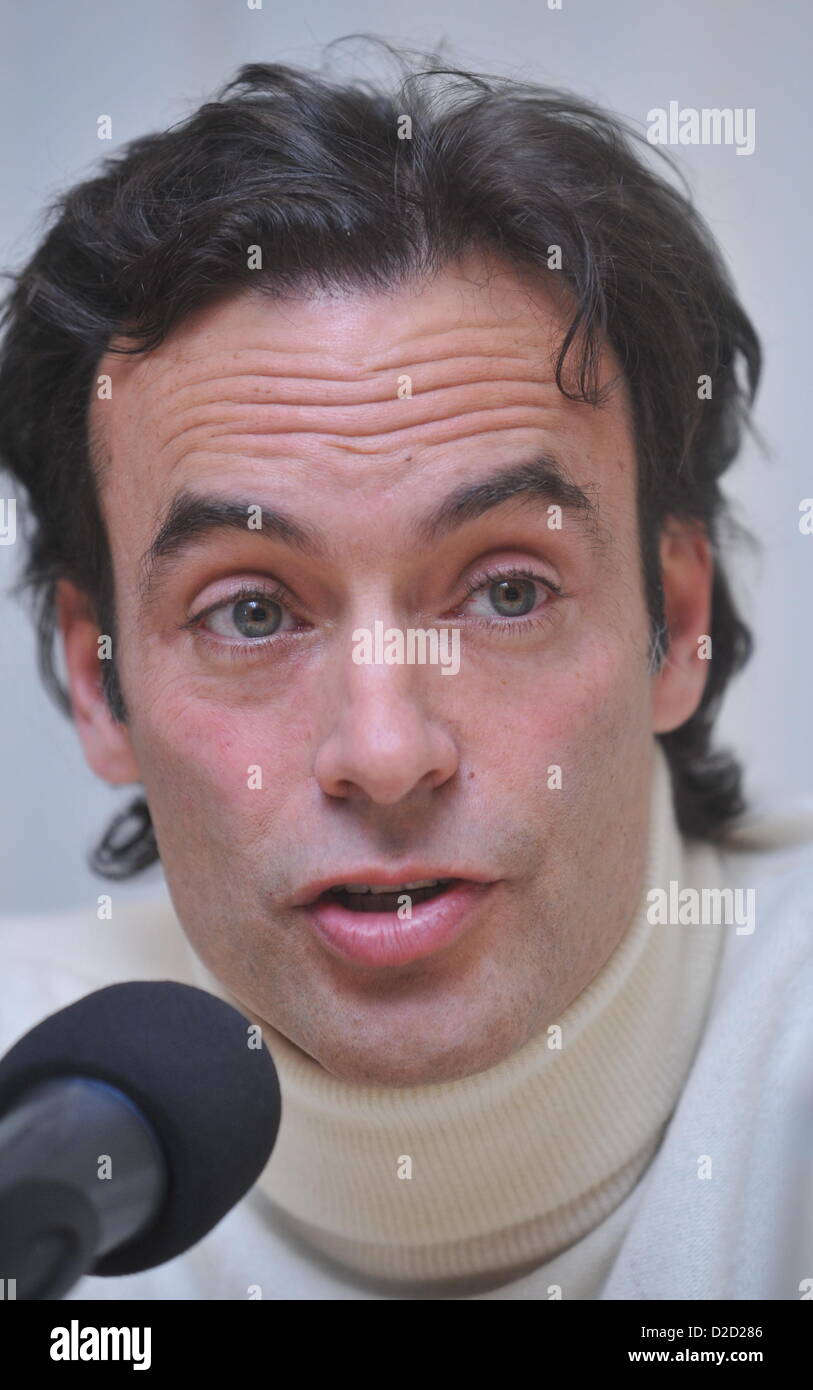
(517, 1163)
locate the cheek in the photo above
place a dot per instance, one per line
(209, 766)
(560, 705)
(606, 688)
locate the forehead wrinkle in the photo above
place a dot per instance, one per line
(248, 394)
(160, 377)
(351, 396)
(425, 414)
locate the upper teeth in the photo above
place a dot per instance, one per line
(385, 887)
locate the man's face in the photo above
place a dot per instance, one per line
(272, 760)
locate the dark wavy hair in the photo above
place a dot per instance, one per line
(317, 173)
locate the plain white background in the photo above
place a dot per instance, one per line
(148, 64)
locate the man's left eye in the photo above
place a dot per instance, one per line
(508, 596)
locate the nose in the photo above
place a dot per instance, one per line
(385, 742)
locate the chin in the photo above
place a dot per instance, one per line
(413, 1061)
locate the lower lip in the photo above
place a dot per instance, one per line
(382, 938)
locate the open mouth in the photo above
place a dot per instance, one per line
(392, 924)
(358, 897)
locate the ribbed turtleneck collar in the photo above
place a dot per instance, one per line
(516, 1163)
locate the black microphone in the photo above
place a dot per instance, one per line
(131, 1122)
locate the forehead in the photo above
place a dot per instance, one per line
(362, 390)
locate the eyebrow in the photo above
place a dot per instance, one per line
(544, 479)
(193, 516)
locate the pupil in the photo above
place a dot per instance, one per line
(508, 592)
(251, 617)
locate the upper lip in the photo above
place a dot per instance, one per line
(410, 873)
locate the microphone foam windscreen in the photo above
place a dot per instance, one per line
(192, 1064)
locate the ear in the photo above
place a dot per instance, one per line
(106, 743)
(687, 567)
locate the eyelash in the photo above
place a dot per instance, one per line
(515, 625)
(236, 651)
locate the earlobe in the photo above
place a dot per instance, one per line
(106, 743)
(687, 566)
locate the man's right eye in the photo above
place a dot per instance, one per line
(246, 617)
